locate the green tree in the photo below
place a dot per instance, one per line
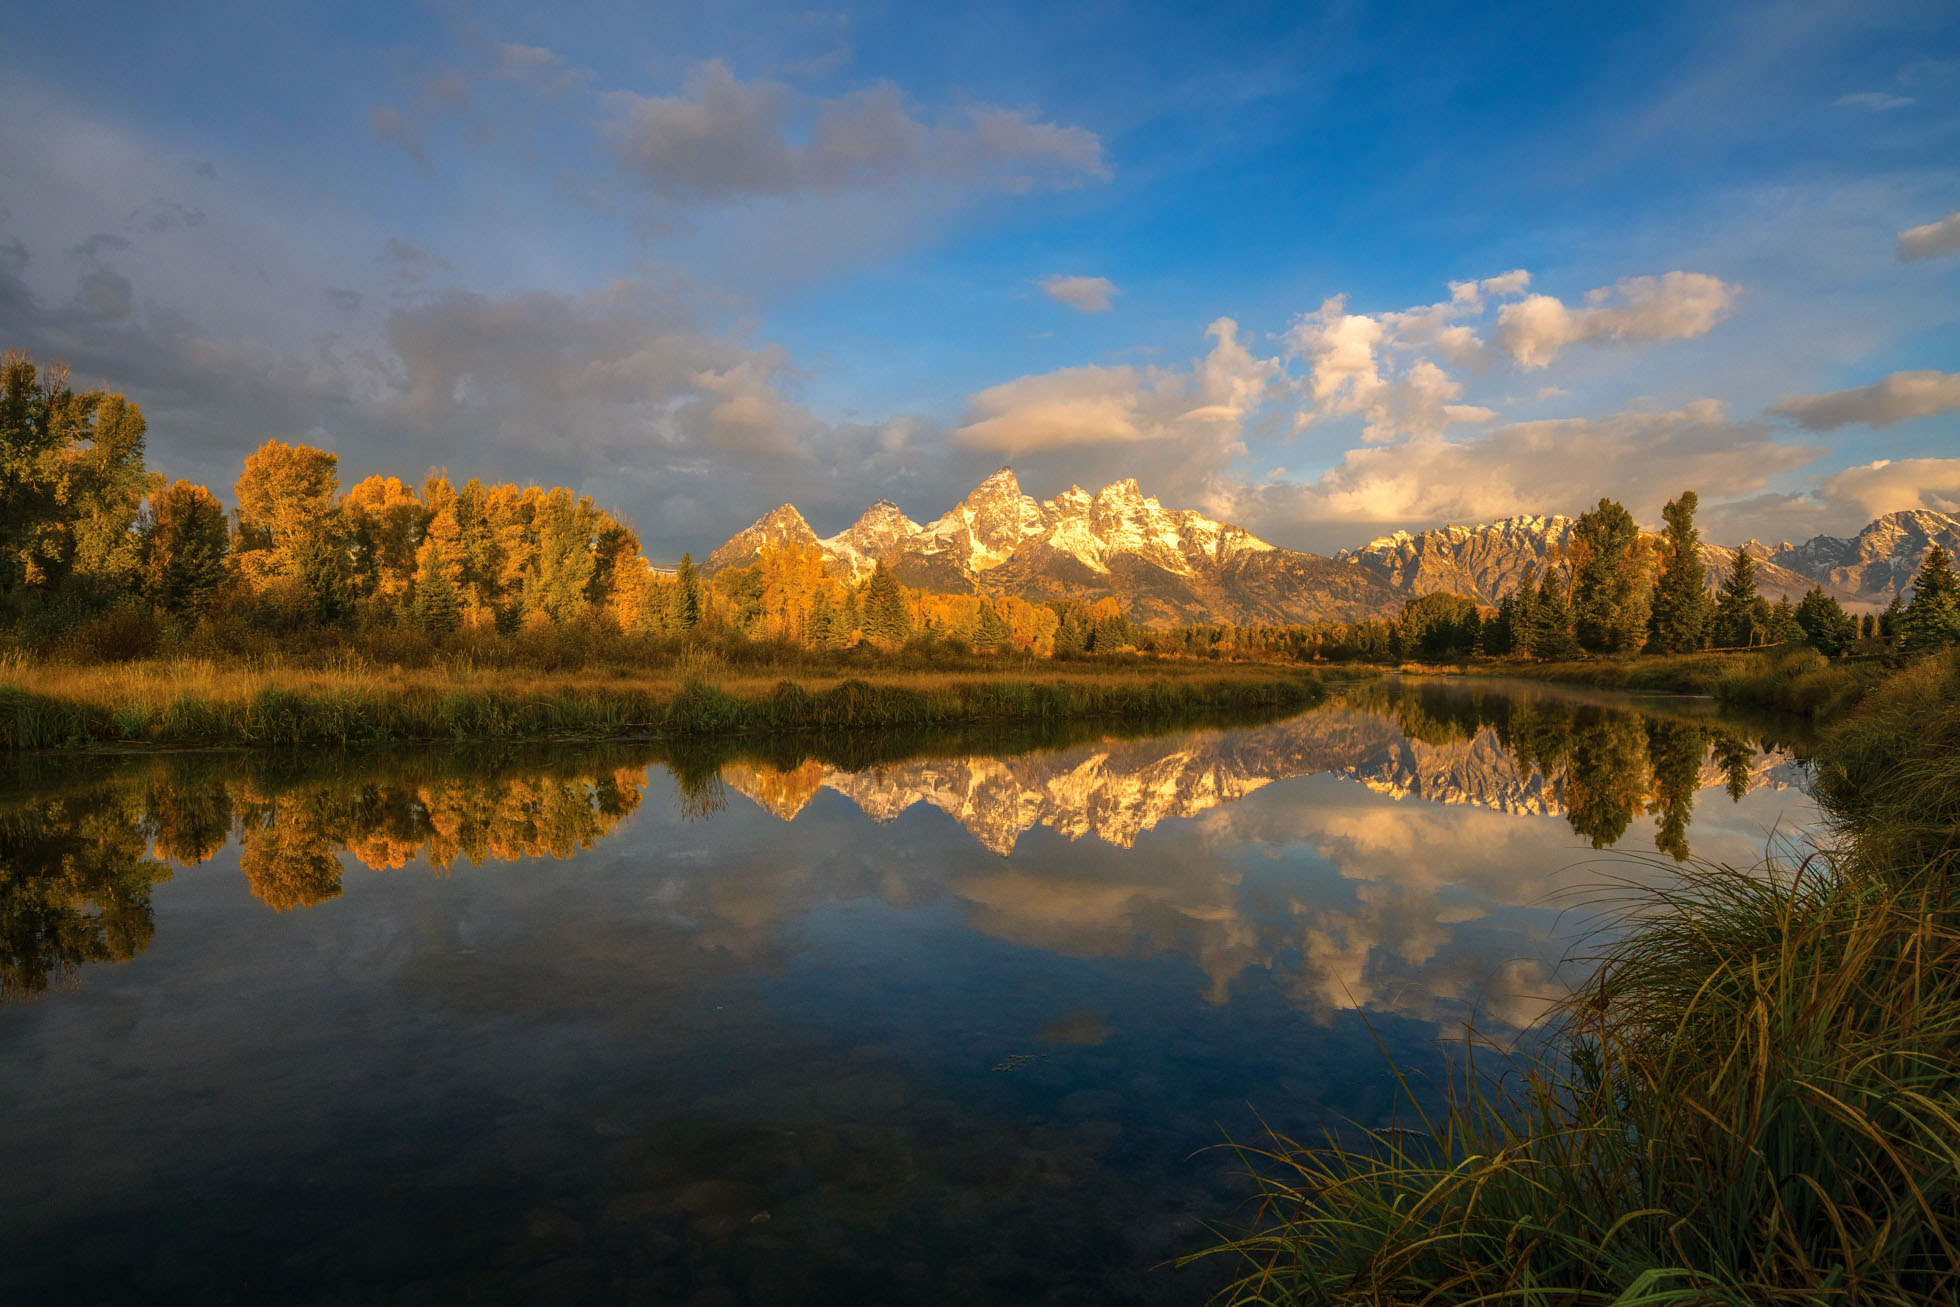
(72, 484)
(438, 608)
(1825, 624)
(1612, 587)
(1891, 622)
(1932, 619)
(822, 630)
(684, 607)
(886, 619)
(185, 540)
(1682, 607)
(1437, 625)
(1735, 604)
(1551, 620)
(1781, 623)
(991, 632)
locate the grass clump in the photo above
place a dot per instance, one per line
(1754, 1099)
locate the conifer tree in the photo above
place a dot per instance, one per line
(438, 609)
(1825, 624)
(1735, 604)
(184, 543)
(684, 608)
(1682, 608)
(1612, 588)
(849, 620)
(1890, 622)
(1932, 619)
(1782, 624)
(821, 631)
(991, 631)
(885, 617)
(1551, 622)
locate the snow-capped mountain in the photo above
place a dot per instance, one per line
(1880, 560)
(1163, 564)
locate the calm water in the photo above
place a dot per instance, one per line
(872, 1021)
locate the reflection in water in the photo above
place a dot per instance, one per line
(916, 1020)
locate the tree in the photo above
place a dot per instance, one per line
(1825, 624)
(885, 617)
(991, 632)
(1735, 604)
(684, 609)
(1611, 583)
(1781, 623)
(1932, 619)
(291, 533)
(438, 608)
(1437, 625)
(1891, 622)
(1682, 608)
(823, 622)
(72, 484)
(1551, 620)
(385, 523)
(185, 540)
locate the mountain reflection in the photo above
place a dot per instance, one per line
(83, 843)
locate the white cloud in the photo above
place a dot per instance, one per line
(1898, 398)
(1562, 465)
(723, 139)
(1674, 306)
(1084, 294)
(1932, 240)
(1351, 368)
(1875, 101)
(1890, 485)
(1124, 405)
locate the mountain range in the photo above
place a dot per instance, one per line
(1175, 565)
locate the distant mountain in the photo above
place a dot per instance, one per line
(1486, 562)
(1162, 565)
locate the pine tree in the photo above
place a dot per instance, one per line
(885, 617)
(184, 541)
(1551, 620)
(1735, 604)
(1932, 619)
(991, 632)
(823, 622)
(1825, 624)
(1782, 624)
(1891, 621)
(438, 609)
(684, 608)
(1682, 608)
(1612, 588)
(850, 621)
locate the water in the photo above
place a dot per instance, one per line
(865, 1021)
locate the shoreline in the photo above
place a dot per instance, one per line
(148, 708)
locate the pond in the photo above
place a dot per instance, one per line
(879, 1020)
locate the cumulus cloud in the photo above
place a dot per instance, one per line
(1351, 369)
(1084, 294)
(1932, 240)
(1875, 101)
(1674, 306)
(1889, 485)
(1643, 459)
(1122, 405)
(1898, 398)
(723, 139)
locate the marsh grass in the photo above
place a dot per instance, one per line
(186, 702)
(1794, 680)
(1753, 1100)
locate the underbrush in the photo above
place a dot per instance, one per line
(1752, 1101)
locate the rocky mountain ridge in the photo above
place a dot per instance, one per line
(1175, 565)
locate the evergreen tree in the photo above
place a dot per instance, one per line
(1682, 608)
(684, 607)
(885, 617)
(991, 632)
(438, 609)
(1825, 624)
(1891, 622)
(1551, 620)
(1612, 588)
(1932, 619)
(1735, 604)
(184, 544)
(823, 622)
(1867, 626)
(851, 620)
(1782, 624)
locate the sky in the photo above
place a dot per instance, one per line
(1324, 270)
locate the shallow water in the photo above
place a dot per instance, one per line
(832, 1022)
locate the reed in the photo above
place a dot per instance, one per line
(1752, 1101)
(191, 703)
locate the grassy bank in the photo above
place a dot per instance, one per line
(199, 704)
(1753, 1101)
(1798, 680)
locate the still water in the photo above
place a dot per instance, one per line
(955, 1020)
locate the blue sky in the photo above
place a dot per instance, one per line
(1324, 270)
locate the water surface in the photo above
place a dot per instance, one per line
(870, 1020)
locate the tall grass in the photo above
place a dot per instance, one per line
(1756, 1099)
(189, 703)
